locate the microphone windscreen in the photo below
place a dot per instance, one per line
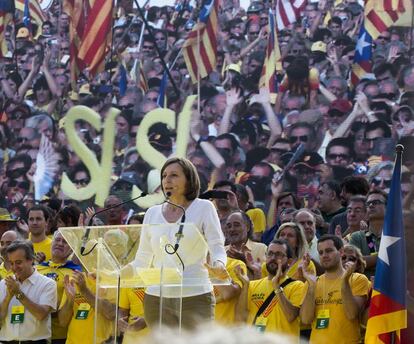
(168, 193)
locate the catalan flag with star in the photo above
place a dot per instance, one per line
(388, 310)
(363, 56)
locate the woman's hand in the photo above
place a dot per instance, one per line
(217, 270)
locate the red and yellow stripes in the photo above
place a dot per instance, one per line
(97, 35)
(381, 14)
(201, 58)
(386, 318)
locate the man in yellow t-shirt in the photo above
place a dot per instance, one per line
(57, 268)
(334, 301)
(272, 303)
(131, 308)
(227, 295)
(38, 218)
(77, 311)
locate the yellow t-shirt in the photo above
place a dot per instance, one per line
(57, 272)
(258, 218)
(258, 292)
(328, 297)
(3, 272)
(81, 330)
(44, 246)
(224, 311)
(133, 300)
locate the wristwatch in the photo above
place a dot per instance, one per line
(19, 295)
(279, 290)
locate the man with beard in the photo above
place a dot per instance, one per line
(351, 186)
(57, 268)
(272, 303)
(334, 301)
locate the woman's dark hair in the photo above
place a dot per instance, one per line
(190, 172)
(69, 215)
(298, 75)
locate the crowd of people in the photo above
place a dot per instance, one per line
(301, 231)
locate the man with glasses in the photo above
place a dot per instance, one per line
(374, 132)
(302, 132)
(369, 242)
(271, 304)
(340, 152)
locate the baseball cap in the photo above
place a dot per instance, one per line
(5, 216)
(340, 105)
(310, 160)
(319, 46)
(23, 32)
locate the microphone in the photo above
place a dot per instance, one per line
(88, 229)
(179, 235)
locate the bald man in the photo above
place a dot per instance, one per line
(6, 239)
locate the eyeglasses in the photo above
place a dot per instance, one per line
(377, 181)
(384, 38)
(287, 109)
(374, 202)
(83, 181)
(349, 258)
(148, 47)
(279, 151)
(276, 255)
(254, 33)
(303, 138)
(336, 114)
(338, 156)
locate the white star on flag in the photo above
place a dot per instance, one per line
(386, 241)
(362, 43)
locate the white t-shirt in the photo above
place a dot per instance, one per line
(40, 290)
(151, 251)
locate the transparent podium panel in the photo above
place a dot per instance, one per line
(169, 265)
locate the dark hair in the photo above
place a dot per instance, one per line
(283, 242)
(190, 172)
(285, 194)
(24, 245)
(377, 191)
(241, 191)
(222, 183)
(41, 208)
(338, 243)
(358, 198)
(334, 186)
(343, 142)
(355, 185)
(233, 140)
(69, 215)
(137, 216)
(379, 125)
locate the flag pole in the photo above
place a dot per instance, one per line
(149, 28)
(411, 28)
(198, 72)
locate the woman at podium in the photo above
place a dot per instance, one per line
(181, 186)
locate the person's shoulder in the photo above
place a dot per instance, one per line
(356, 237)
(256, 283)
(38, 278)
(357, 277)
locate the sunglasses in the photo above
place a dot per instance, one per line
(337, 114)
(377, 181)
(254, 33)
(279, 151)
(349, 258)
(83, 181)
(336, 156)
(375, 202)
(303, 138)
(384, 38)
